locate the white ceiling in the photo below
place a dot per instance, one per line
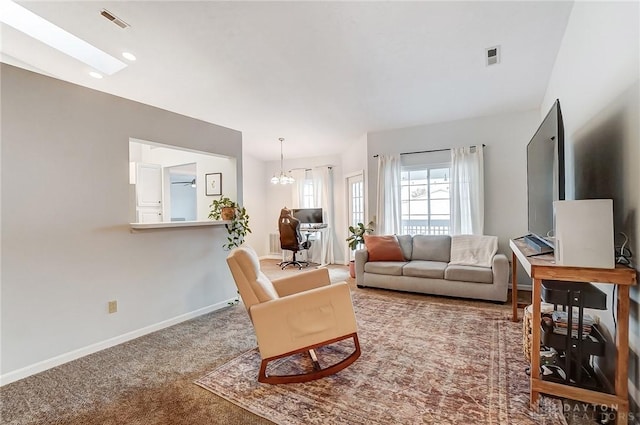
(319, 74)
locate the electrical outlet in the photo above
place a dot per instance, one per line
(113, 306)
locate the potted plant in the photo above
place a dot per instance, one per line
(356, 240)
(238, 226)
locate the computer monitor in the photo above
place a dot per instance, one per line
(308, 215)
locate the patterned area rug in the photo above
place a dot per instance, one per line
(422, 362)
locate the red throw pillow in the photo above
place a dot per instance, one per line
(383, 248)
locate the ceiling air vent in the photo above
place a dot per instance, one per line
(492, 55)
(113, 18)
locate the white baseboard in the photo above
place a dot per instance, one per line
(43, 365)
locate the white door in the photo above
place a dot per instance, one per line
(149, 215)
(148, 193)
(148, 185)
(355, 200)
(355, 187)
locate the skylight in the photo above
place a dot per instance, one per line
(42, 30)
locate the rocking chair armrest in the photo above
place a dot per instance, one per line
(302, 320)
(301, 282)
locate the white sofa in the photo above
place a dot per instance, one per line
(426, 269)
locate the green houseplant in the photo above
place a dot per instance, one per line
(238, 226)
(356, 239)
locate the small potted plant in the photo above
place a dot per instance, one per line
(238, 226)
(356, 240)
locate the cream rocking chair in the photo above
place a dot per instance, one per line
(294, 314)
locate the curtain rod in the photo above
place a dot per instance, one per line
(309, 169)
(429, 151)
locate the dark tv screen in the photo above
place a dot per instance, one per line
(545, 174)
(308, 215)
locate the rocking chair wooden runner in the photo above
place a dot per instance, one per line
(294, 314)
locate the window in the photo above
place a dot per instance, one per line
(425, 200)
(307, 194)
(356, 199)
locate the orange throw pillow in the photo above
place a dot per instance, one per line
(383, 248)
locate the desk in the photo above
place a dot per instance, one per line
(322, 233)
(543, 267)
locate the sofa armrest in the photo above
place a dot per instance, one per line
(500, 268)
(361, 257)
(304, 319)
(301, 282)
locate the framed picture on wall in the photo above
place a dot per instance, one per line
(213, 184)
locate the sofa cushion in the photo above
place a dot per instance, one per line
(431, 248)
(383, 248)
(406, 245)
(469, 273)
(420, 268)
(390, 268)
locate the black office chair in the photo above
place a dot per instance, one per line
(291, 239)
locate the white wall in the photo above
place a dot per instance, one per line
(505, 137)
(354, 160)
(279, 196)
(596, 78)
(354, 157)
(255, 183)
(258, 174)
(67, 248)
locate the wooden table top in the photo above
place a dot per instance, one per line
(545, 267)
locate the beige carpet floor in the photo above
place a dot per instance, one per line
(145, 381)
(149, 380)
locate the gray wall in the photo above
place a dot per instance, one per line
(255, 190)
(600, 106)
(67, 248)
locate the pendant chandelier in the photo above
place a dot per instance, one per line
(283, 178)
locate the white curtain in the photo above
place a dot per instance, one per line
(323, 197)
(321, 250)
(467, 191)
(388, 208)
(299, 175)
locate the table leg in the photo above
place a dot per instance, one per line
(535, 341)
(622, 359)
(514, 287)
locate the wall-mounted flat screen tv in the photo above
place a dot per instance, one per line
(545, 175)
(308, 215)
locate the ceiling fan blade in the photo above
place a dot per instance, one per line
(191, 183)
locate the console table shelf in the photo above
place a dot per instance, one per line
(543, 267)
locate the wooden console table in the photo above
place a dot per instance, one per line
(543, 267)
